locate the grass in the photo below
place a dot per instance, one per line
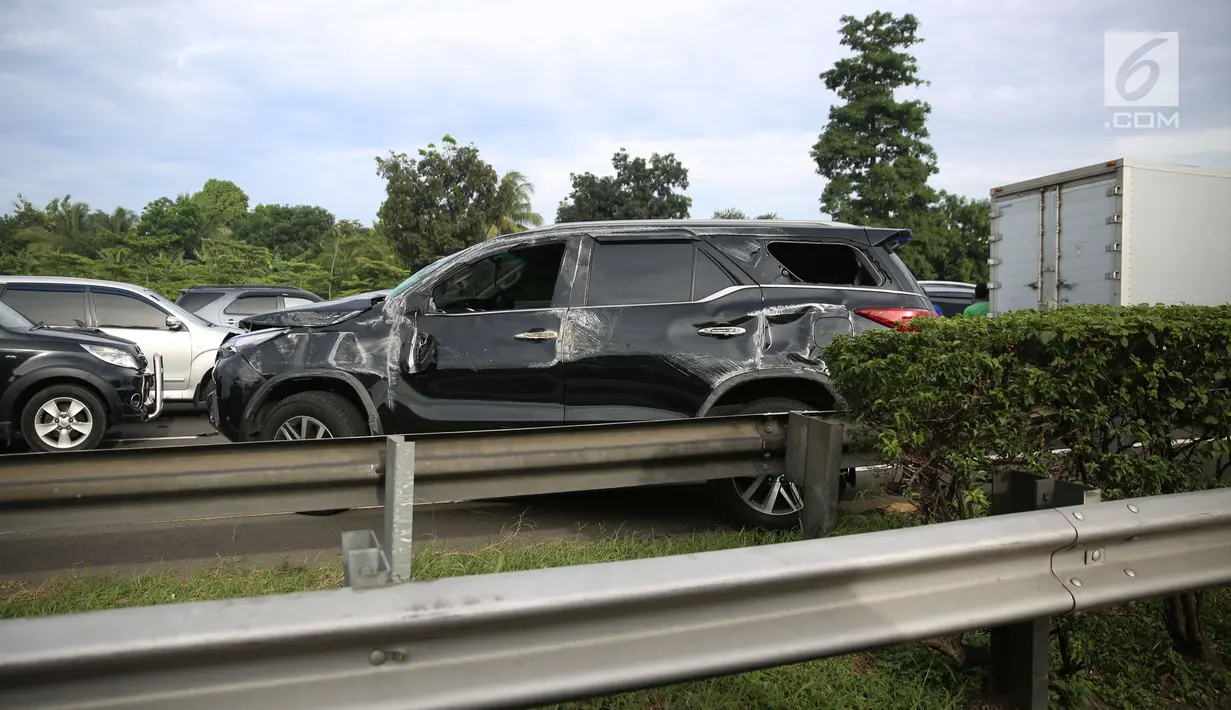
(1126, 657)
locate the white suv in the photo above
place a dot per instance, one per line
(186, 341)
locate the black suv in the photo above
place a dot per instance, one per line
(63, 388)
(579, 323)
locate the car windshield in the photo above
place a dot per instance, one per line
(423, 273)
(179, 311)
(11, 319)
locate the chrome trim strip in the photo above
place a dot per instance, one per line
(712, 297)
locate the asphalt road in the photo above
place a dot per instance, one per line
(271, 539)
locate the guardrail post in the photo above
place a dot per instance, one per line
(1021, 652)
(813, 463)
(399, 499)
(364, 564)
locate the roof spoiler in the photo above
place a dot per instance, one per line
(890, 238)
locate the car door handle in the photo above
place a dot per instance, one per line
(538, 335)
(722, 331)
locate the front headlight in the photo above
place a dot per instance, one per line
(115, 356)
(248, 340)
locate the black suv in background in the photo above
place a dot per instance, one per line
(579, 323)
(63, 388)
(951, 297)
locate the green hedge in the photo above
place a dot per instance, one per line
(958, 397)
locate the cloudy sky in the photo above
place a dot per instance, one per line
(121, 101)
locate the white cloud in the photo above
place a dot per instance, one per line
(1158, 145)
(132, 99)
(764, 171)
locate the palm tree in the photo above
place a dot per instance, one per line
(119, 222)
(515, 191)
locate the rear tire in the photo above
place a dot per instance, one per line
(746, 500)
(313, 415)
(63, 418)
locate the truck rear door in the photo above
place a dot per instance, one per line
(1056, 246)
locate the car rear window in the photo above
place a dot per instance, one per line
(195, 301)
(821, 263)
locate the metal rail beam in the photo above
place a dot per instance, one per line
(526, 639)
(40, 491)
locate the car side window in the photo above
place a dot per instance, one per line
(518, 279)
(251, 305)
(53, 304)
(293, 301)
(116, 309)
(708, 277)
(628, 273)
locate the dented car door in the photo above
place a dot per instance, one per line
(484, 351)
(656, 325)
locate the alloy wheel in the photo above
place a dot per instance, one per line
(770, 494)
(302, 427)
(63, 422)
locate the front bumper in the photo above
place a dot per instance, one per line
(236, 382)
(146, 404)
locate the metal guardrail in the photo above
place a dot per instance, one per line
(187, 482)
(525, 639)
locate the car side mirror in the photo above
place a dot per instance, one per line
(174, 323)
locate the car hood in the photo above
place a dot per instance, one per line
(84, 336)
(315, 314)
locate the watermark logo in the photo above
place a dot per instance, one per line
(1141, 70)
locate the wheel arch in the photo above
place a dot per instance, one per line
(16, 398)
(803, 385)
(282, 386)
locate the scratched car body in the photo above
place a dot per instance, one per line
(579, 323)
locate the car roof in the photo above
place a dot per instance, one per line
(958, 284)
(717, 227)
(243, 287)
(71, 280)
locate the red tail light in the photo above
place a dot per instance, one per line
(895, 317)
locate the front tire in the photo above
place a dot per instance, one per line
(313, 415)
(64, 418)
(769, 502)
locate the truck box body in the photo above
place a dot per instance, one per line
(1123, 232)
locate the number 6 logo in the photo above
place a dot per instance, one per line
(1129, 55)
(1134, 62)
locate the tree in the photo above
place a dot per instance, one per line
(949, 240)
(222, 203)
(517, 214)
(285, 230)
(355, 259)
(119, 222)
(640, 189)
(872, 150)
(169, 224)
(172, 245)
(733, 213)
(440, 203)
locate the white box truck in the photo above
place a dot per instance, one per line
(1122, 232)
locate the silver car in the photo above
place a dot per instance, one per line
(228, 304)
(187, 342)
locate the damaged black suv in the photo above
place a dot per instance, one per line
(579, 323)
